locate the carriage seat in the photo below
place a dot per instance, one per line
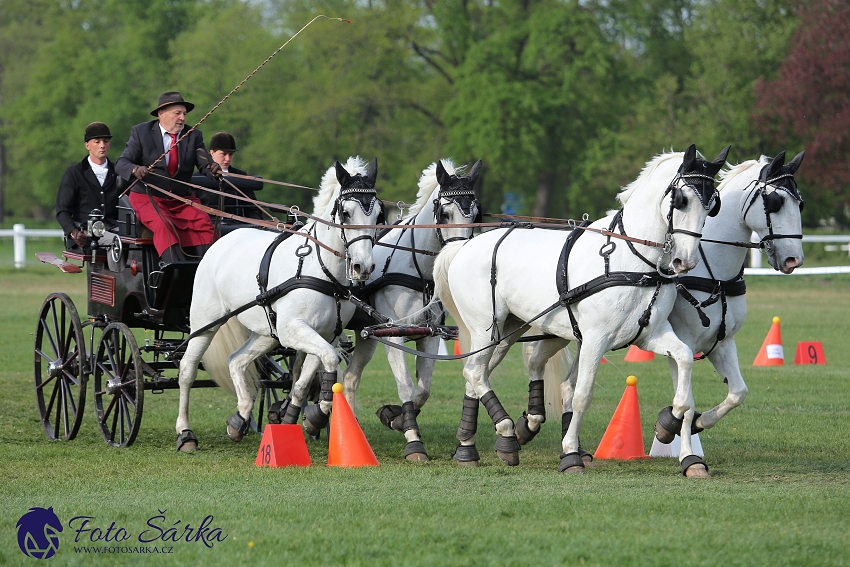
(129, 226)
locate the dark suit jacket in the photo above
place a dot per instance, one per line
(233, 206)
(145, 146)
(80, 192)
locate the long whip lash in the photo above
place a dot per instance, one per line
(236, 88)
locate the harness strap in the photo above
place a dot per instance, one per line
(494, 332)
(562, 283)
(404, 280)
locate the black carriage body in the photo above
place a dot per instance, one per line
(134, 292)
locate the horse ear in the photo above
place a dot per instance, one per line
(776, 164)
(342, 175)
(690, 158)
(474, 172)
(443, 178)
(794, 164)
(372, 171)
(721, 157)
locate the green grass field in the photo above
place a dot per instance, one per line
(780, 464)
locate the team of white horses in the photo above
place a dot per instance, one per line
(618, 281)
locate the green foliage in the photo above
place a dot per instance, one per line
(564, 100)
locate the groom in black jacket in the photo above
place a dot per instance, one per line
(160, 157)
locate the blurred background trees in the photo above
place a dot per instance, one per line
(564, 100)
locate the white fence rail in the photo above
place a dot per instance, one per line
(833, 242)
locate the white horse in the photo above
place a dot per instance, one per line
(402, 289)
(603, 297)
(302, 307)
(758, 196)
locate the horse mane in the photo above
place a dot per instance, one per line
(329, 188)
(428, 182)
(727, 175)
(652, 165)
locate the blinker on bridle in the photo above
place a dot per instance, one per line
(460, 192)
(773, 201)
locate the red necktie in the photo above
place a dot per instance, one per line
(172, 155)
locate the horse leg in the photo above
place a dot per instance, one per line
(239, 423)
(302, 337)
(567, 391)
(725, 361)
(466, 453)
(529, 424)
(186, 440)
(664, 341)
(303, 370)
(592, 350)
(507, 446)
(403, 418)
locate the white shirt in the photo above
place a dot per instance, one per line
(166, 143)
(99, 171)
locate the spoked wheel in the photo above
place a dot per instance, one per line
(60, 374)
(119, 382)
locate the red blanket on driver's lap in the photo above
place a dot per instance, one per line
(172, 221)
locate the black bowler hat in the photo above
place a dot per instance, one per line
(169, 98)
(223, 141)
(97, 130)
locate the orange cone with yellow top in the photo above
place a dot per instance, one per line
(624, 437)
(347, 445)
(771, 352)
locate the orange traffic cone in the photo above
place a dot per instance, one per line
(771, 352)
(283, 446)
(347, 446)
(624, 437)
(457, 347)
(637, 355)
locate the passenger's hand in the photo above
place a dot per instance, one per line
(140, 172)
(215, 170)
(80, 237)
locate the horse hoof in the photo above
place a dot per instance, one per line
(663, 435)
(694, 467)
(697, 471)
(667, 426)
(315, 420)
(574, 470)
(466, 455)
(237, 427)
(415, 451)
(391, 417)
(523, 433)
(510, 459)
(187, 442)
(587, 459)
(571, 463)
(234, 434)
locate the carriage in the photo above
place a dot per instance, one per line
(129, 289)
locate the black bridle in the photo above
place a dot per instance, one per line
(773, 202)
(462, 195)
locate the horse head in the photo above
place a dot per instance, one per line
(777, 221)
(688, 200)
(455, 202)
(355, 206)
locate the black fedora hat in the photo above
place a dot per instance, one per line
(223, 141)
(97, 130)
(169, 98)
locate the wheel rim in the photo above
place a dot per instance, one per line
(59, 367)
(118, 385)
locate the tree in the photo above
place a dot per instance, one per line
(809, 103)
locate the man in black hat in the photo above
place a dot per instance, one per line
(222, 148)
(162, 154)
(88, 185)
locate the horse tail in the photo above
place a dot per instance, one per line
(553, 376)
(228, 339)
(443, 292)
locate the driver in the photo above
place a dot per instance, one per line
(88, 185)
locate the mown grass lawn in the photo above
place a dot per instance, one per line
(780, 464)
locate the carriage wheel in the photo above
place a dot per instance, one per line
(119, 386)
(60, 373)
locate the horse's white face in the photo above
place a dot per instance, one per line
(358, 241)
(450, 213)
(783, 254)
(690, 217)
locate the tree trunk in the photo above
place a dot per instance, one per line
(545, 188)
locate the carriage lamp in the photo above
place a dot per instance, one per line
(96, 226)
